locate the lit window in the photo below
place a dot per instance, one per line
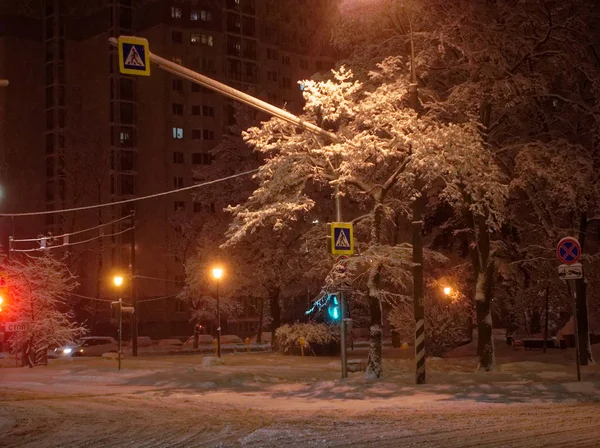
(175, 12)
(205, 16)
(194, 15)
(124, 137)
(178, 133)
(195, 38)
(207, 40)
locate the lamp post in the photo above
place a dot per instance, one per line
(217, 274)
(447, 290)
(118, 281)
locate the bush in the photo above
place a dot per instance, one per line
(445, 324)
(319, 338)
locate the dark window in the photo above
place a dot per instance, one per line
(126, 110)
(208, 111)
(271, 53)
(61, 118)
(178, 85)
(61, 95)
(127, 160)
(49, 96)
(177, 109)
(126, 89)
(49, 167)
(285, 59)
(208, 65)
(205, 16)
(207, 134)
(303, 64)
(196, 134)
(178, 157)
(195, 110)
(49, 143)
(197, 207)
(50, 119)
(127, 184)
(178, 205)
(125, 18)
(177, 37)
(178, 182)
(50, 190)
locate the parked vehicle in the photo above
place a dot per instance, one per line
(89, 346)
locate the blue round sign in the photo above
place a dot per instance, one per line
(568, 250)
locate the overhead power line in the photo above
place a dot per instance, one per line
(57, 237)
(128, 201)
(61, 246)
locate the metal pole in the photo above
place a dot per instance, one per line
(575, 328)
(134, 318)
(235, 94)
(120, 319)
(10, 246)
(218, 322)
(343, 354)
(417, 237)
(546, 323)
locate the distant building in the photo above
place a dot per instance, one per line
(74, 131)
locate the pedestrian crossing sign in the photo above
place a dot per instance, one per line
(134, 56)
(342, 238)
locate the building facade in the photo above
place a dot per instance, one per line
(74, 131)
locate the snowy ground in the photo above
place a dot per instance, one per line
(268, 400)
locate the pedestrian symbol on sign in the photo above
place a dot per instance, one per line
(133, 58)
(342, 239)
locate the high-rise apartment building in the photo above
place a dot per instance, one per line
(74, 131)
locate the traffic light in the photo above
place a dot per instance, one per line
(333, 309)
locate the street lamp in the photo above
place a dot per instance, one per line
(118, 280)
(217, 274)
(447, 290)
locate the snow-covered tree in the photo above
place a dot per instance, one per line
(37, 289)
(382, 146)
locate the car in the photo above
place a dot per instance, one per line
(89, 346)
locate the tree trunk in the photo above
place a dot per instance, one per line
(483, 297)
(583, 329)
(485, 342)
(275, 315)
(261, 306)
(374, 365)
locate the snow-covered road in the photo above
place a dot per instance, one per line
(181, 403)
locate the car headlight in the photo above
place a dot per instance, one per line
(67, 350)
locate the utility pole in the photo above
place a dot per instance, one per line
(218, 322)
(573, 285)
(338, 217)
(134, 317)
(546, 323)
(417, 235)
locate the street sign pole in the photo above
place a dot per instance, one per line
(568, 251)
(575, 327)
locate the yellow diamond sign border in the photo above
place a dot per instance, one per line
(137, 41)
(342, 225)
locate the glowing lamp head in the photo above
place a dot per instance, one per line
(118, 280)
(217, 273)
(67, 350)
(447, 290)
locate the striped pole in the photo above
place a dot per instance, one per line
(419, 309)
(420, 351)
